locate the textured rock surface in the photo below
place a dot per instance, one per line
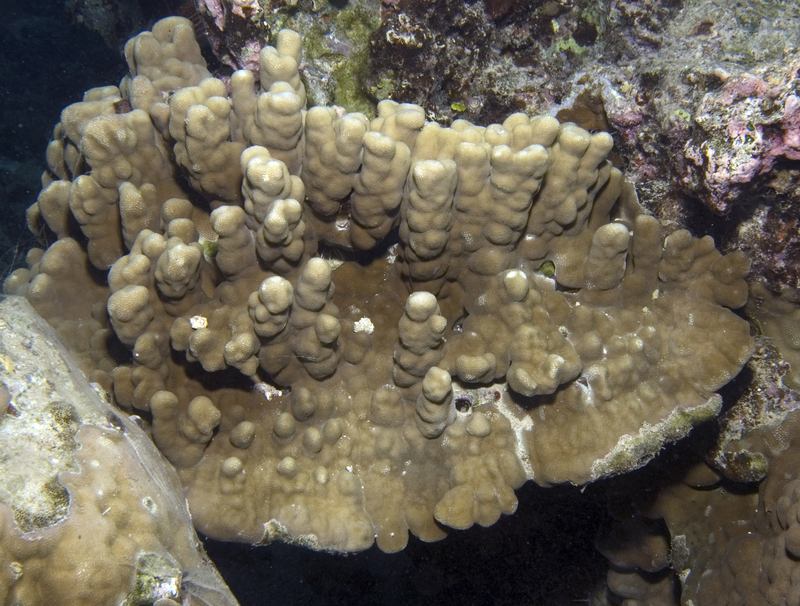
(90, 513)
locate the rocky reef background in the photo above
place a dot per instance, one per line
(636, 69)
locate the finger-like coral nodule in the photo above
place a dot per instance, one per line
(309, 306)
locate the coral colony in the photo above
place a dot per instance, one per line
(215, 284)
(340, 330)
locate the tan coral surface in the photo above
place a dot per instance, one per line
(731, 544)
(90, 513)
(343, 330)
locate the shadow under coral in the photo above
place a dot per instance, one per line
(543, 554)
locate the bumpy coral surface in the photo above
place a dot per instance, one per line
(728, 542)
(342, 330)
(90, 513)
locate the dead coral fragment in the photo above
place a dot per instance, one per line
(617, 346)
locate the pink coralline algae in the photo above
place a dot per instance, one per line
(626, 114)
(214, 9)
(219, 11)
(231, 28)
(789, 144)
(749, 125)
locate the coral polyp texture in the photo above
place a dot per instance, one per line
(90, 512)
(340, 330)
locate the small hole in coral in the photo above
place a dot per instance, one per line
(463, 403)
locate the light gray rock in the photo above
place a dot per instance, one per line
(90, 512)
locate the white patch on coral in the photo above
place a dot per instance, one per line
(334, 264)
(198, 322)
(364, 325)
(267, 390)
(391, 254)
(519, 425)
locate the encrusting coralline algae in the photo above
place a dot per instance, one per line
(343, 330)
